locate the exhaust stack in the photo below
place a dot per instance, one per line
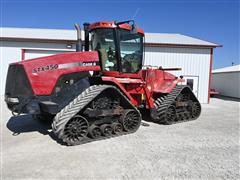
(79, 40)
(86, 36)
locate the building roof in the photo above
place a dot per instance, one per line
(164, 38)
(154, 39)
(30, 33)
(235, 68)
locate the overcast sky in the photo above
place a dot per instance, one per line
(212, 20)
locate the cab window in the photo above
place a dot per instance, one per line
(103, 41)
(131, 51)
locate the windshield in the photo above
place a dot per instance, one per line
(131, 47)
(103, 41)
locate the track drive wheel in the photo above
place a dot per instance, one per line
(130, 120)
(106, 129)
(95, 131)
(170, 115)
(75, 130)
(117, 128)
(196, 110)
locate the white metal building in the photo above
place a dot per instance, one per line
(193, 55)
(227, 81)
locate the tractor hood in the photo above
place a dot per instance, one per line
(44, 72)
(57, 78)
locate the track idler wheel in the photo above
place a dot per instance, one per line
(95, 131)
(117, 128)
(170, 115)
(106, 130)
(130, 120)
(75, 130)
(196, 110)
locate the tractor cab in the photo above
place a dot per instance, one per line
(120, 46)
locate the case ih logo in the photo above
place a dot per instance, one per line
(63, 66)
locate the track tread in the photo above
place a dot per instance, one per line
(168, 101)
(75, 106)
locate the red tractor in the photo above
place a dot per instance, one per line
(97, 93)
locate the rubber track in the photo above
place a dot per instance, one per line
(75, 106)
(163, 103)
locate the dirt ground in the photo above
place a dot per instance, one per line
(207, 148)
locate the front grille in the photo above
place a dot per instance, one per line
(17, 84)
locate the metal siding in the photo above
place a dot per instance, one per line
(11, 52)
(228, 83)
(31, 54)
(194, 62)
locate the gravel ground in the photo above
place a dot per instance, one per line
(207, 148)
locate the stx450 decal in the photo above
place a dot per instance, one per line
(62, 66)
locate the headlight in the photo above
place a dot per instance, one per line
(12, 100)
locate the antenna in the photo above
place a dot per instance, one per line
(135, 14)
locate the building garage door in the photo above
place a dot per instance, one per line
(30, 54)
(192, 82)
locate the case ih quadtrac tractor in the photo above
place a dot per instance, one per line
(97, 93)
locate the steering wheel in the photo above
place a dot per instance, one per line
(127, 65)
(111, 53)
(125, 61)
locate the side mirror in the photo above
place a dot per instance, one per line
(131, 23)
(134, 28)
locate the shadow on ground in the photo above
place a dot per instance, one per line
(25, 123)
(146, 115)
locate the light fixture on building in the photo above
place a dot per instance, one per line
(69, 46)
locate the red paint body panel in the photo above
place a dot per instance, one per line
(121, 87)
(159, 81)
(123, 75)
(43, 82)
(144, 83)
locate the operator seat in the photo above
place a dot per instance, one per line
(103, 57)
(135, 66)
